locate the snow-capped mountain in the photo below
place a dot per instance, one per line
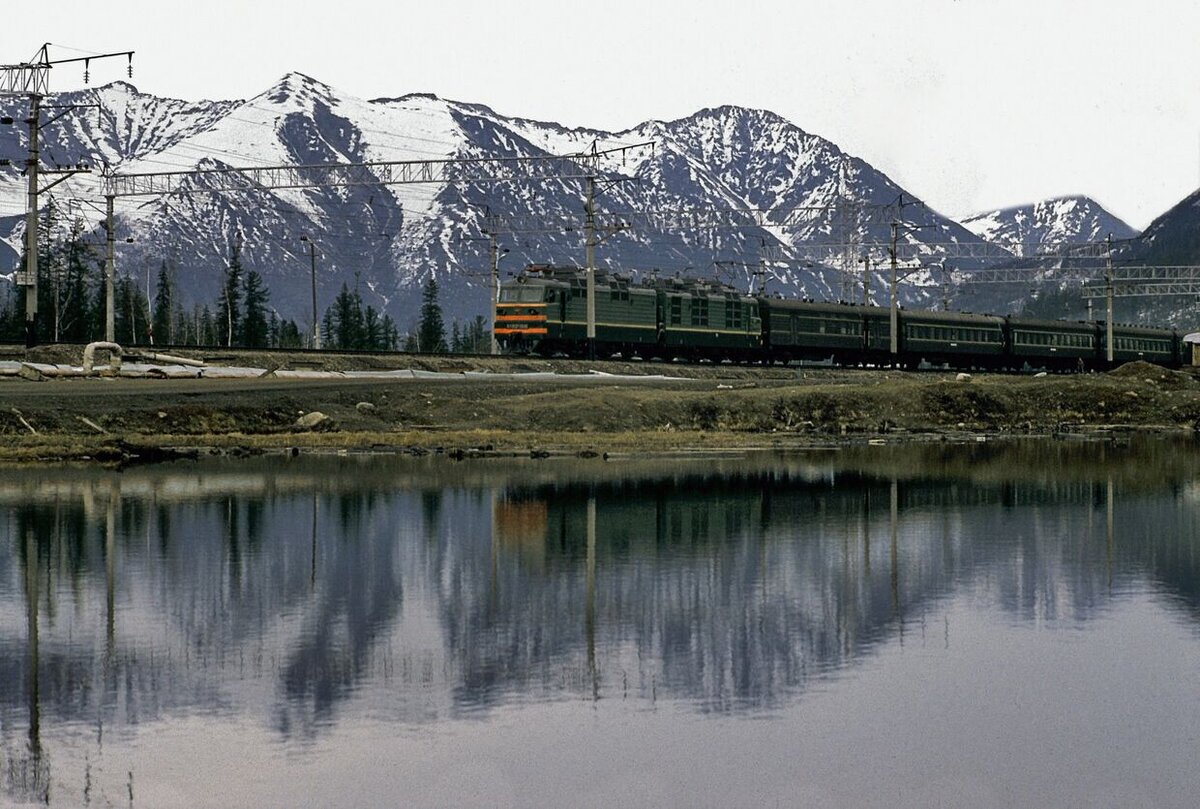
(390, 238)
(1024, 229)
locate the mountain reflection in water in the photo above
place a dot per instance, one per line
(283, 591)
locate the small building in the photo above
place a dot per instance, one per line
(1193, 340)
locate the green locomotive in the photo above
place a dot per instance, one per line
(544, 311)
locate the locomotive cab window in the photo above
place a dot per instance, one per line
(522, 294)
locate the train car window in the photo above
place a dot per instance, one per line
(676, 311)
(733, 314)
(699, 311)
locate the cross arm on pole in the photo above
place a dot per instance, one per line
(33, 77)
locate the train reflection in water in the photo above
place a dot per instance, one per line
(318, 590)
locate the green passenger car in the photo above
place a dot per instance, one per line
(799, 330)
(1052, 343)
(945, 337)
(1142, 343)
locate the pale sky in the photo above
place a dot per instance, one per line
(970, 104)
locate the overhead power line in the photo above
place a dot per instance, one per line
(331, 175)
(385, 172)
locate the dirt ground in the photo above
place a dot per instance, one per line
(707, 406)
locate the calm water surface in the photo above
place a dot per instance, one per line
(991, 625)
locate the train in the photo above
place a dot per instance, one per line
(543, 311)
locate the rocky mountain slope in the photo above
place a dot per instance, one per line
(1024, 229)
(389, 239)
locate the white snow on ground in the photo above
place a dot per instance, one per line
(168, 371)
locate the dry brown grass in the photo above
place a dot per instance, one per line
(807, 407)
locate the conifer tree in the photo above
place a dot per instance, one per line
(391, 335)
(208, 333)
(289, 335)
(254, 332)
(73, 316)
(130, 320)
(372, 337)
(163, 321)
(431, 333)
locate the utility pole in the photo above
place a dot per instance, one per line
(32, 78)
(31, 224)
(1108, 299)
(110, 269)
(895, 313)
(312, 263)
(866, 260)
(591, 240)
(315, 338)
(494, 288)
(589, 236)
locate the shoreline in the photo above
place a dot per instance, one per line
(120, 421)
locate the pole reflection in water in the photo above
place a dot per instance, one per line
(31, 775)
(110, 544)
(894, 527)
(1108, 530)
(451, 592)
(590, 608)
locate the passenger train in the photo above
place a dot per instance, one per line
(543, 311)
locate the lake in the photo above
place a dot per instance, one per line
(994, 624)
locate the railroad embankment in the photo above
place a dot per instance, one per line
(641, 407)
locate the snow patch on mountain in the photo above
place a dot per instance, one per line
(1025, 229)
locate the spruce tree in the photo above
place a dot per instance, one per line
(372, 330)
(74, 308)
(328, 339)
(254, 330)
(10, 324)
(481, 338)
(208, 332)
(49, 270)
(130, 320)
(289, 335)
(391, 335)
(163, 321)
(431, 332)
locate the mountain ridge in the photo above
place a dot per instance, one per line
(390, 239)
